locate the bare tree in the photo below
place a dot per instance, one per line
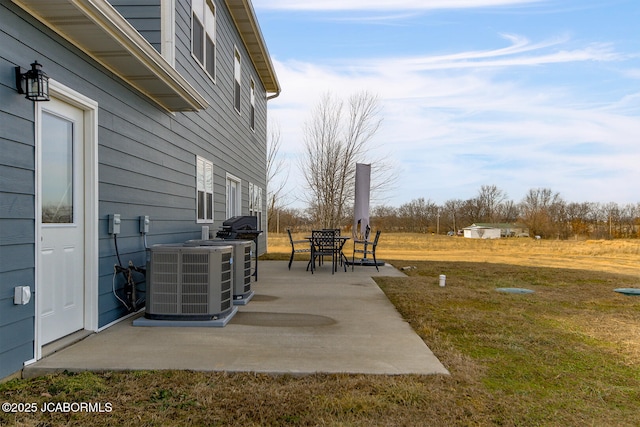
(335, 138)
(629, 214)
(509, 211)
(540, 210)
(578, 218)
(614, 215)
(451, 214)
(277, 175)
(386, 217)
(490, 199)
(419, 215)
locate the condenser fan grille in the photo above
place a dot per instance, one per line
(195, 283)
(165, 280)
(189, 283)
(247, 269)
(236, 267)
(226, 279)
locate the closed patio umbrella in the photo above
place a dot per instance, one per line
(361, 219)
(361, 205)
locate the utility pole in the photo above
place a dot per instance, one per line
(610, 227)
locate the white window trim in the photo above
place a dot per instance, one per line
(255, 199)
(237, 78)
(205, 163)
(252, 113)
(168, 31)
(90, 108)
(207, 4)
(255, 202)
(238, 206)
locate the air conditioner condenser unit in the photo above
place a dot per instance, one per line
(189, 283)
(242, 264)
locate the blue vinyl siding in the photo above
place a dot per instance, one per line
(144, 16)
(146, 156)
(17, 201)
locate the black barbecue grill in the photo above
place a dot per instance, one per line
(241, 228)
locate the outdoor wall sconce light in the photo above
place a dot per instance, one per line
(33, 83)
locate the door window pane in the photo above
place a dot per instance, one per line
(57, 170)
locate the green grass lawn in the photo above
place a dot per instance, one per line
(566, 355)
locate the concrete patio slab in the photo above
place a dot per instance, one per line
(296, 323)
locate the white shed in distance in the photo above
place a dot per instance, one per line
(481, 232)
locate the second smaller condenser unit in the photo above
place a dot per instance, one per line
(242, 259)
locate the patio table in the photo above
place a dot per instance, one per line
(335, 247)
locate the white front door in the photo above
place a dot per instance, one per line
(61, 287)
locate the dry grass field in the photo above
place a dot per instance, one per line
(566, 355)
(615, 256)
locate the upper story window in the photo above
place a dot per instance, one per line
(203, 34)
(237, 72)
(252, 111)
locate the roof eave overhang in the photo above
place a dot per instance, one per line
(245, 19)
(96, 28)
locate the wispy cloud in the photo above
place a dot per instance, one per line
(467, 117)
(521, 52)
(363, 5)
(413, 76)
(633, 73)
(381, 18)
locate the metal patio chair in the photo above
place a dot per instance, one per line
(297, 247)
(323, 243)
(365, 247)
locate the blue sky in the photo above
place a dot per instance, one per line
(519, 94)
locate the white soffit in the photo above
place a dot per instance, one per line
(247, 24)
(99, 30)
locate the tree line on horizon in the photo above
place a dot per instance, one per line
(544, 212)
